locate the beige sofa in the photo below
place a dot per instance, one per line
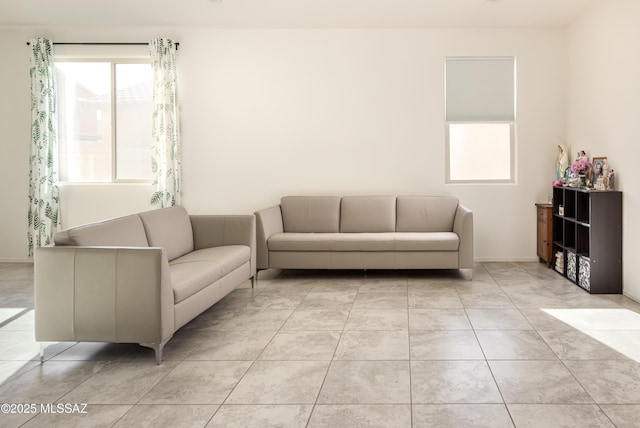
(139, 278)
(365, 232)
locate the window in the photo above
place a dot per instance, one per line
(104, 120)
(480, 119)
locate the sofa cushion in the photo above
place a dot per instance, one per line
(373, 241)
(430, 241)
(198, 269)
(426, 213)
(169, 228)
(300, 241)
(125, 231)
(365, 242)
(310, 213)
(368, 214)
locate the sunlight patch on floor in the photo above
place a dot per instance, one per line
(619, 328)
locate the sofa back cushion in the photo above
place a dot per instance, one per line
(368, 214)
(320, 214)
(426, 213)
(169, 228)
(125, 231)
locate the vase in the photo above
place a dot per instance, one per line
(583, 180)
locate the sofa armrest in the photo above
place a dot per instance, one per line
(103, 294)
(268, 222)
(219, 230)
(463, 226)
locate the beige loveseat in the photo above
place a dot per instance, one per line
(365, 232)
(139, 278)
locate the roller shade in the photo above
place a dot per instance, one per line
(480, 89)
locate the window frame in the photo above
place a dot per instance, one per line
(512, 127)
(113, 61)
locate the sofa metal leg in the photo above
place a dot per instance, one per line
(253, 281)
(158, 349)
(43, 345)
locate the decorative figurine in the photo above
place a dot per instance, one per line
(562, 162)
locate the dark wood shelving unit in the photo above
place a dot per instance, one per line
(587, 238)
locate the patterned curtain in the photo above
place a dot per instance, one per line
(43, 215)
(166, 151)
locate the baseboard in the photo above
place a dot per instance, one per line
(29, 260)
(505, 259)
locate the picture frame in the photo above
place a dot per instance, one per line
(598, 167)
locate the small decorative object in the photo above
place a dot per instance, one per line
(611, 180)
(559, 183)
(572, 268)
(580, 168)
(562, 162)
(599, 164)
(584, 273)
(561, 210)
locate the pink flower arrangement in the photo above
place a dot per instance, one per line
(581, 166)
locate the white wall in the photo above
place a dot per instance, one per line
(267, 113)
(603, 107)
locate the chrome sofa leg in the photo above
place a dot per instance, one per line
(158, 349)
(43, 345)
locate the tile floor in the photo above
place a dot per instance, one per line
(515, 346)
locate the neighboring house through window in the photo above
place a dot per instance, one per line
(104, 115)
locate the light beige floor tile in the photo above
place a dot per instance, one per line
(624, 342)
(444, 345)
(498, 319)
(274, 301)
(197, 382)
(11, 369)
(434, 300)
(257, 319)
(366, 382)
(453, 382)
(302, 346)
(537, 382)
(514, 345)
(383, 286)
(543, 321)
(167, 416)
(107, 385)
(576, 345)
(259, 416)
(609, 382)
(438, 319)
(19, 346)
(96, 416)
(373, 345)
(461, 416)
(377, 319)
(48, 382)
(378, 300)
(280, 382)
(485, 299)
(316, 319)
(361, 416)
(558, 415)
(342, 299)
(232, 345)
(623, 415)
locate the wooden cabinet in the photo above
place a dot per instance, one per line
(545, 232)
(587, 238)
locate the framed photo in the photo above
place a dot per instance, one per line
(597, 169)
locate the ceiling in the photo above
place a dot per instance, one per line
(294, 13)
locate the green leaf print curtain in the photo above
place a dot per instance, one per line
(165, 149)
(43, 215)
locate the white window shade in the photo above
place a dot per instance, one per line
(480, 89)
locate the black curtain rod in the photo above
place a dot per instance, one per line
(105, 43)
